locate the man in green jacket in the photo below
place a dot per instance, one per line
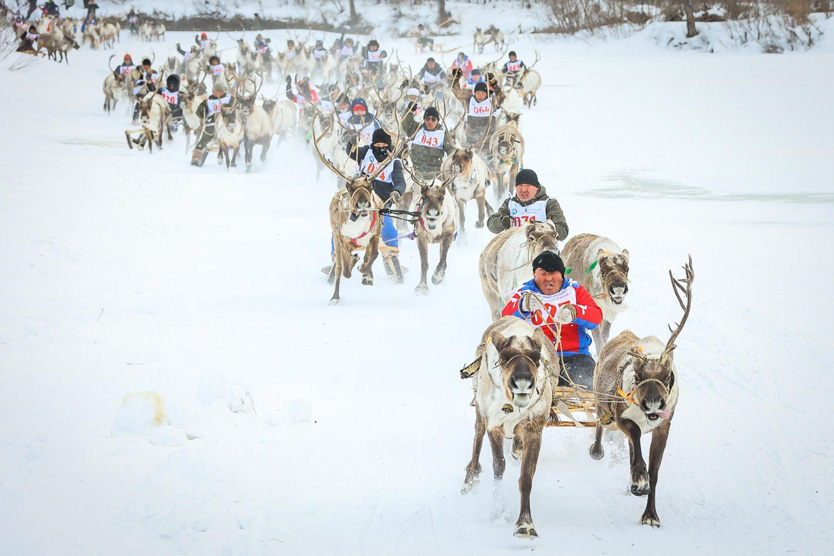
(430, 145)
(530, 204)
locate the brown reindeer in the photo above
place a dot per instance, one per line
(513, 393)
(354, 220)
(470, 176)
(602, 268)
(636, 384)
(506, 148)
(438, 223)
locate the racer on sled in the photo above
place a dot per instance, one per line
(558, 304)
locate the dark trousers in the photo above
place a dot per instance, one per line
(580, 368)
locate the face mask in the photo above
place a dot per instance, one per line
(380, 153)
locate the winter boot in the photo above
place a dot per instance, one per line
(391, 262)
(198, 157)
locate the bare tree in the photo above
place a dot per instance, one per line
(442, 14)
(691, 31)
(354, 18)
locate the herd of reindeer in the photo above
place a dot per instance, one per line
(515, 376)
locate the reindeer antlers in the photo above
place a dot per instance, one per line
(681, 286)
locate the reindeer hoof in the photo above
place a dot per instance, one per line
(422, 289)
(437, 277)
(650, 519)
(479, 224)
(596, 451)
(367, 281)
(525, 532)
(334, 300)
(640, 489)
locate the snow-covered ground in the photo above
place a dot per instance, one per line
(172, 379)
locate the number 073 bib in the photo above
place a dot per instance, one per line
(534, 212)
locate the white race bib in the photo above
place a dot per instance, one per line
(513, 67)
(170, 98)
(374, 55)
(433, 139)
(534, 212)
(347, 51)
(370, 165)
(429, 78)
(480, 109)
(215, 104)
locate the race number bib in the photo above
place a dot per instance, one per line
(433, 139)
(217, 70)
(370, 165)
(374, 56)
(513, 67)
(170, 97)
(480, 109)
(534, 212)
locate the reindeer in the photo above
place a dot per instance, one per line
(637, 387)
(57, 42)
(145, 31)
(496, 37)
(157, 32)
(191, 99)
(113, 89)
(530, 82)
(259, 127)
(230, 132)
(154, 113)
(478, 40)
(471, 175)
(438, 222)
(108, 35)
(507, 260)
(355, 222)
(513, 393)
(506, 149)
(602, 269)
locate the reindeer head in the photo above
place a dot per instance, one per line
(231, 118)
(461, 161)
(519, 359)
(613, 268)
(541, 237)
(145, 108)
(361, 192)
(431, 206)
(654, 378)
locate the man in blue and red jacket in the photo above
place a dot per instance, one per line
(550, 299)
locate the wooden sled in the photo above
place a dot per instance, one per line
(572, 408)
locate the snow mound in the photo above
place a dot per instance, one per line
(141, 414)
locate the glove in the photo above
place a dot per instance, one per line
(395, 198)
(178, 44)
(506, 222)
(412, 107)
(289, 80)
(530, 303)
(404, 84)
(566, 314)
